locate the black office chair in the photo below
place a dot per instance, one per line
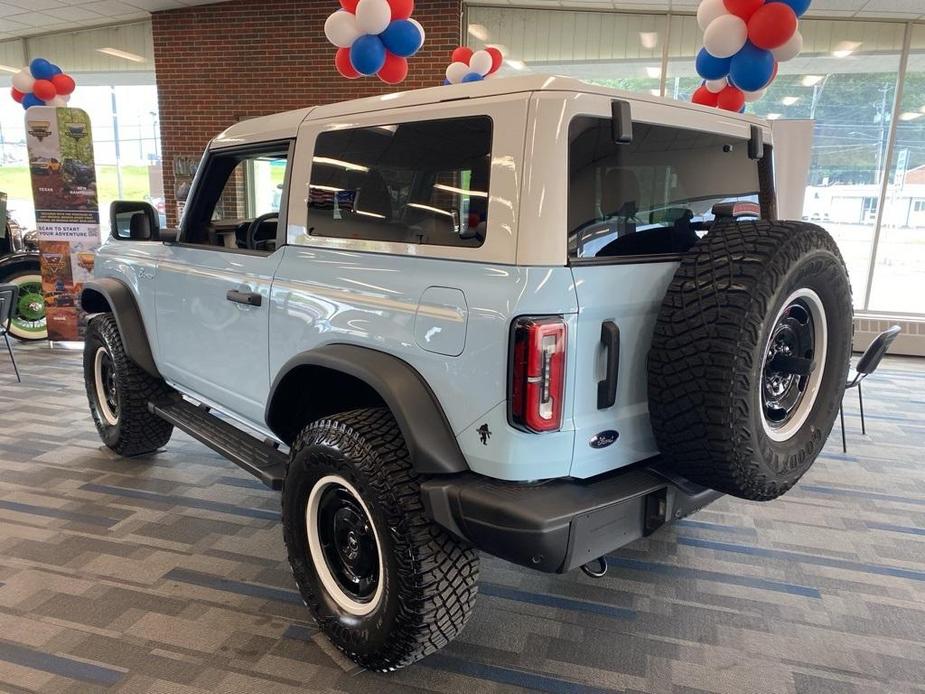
(9, 295)
(866, 365)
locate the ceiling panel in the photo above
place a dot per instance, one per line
(20, 18)
(879, 9)
(31, 17)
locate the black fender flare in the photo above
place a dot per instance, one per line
(109, 295)
(427, 432)
(19, 259)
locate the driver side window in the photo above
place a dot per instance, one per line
(239, 200)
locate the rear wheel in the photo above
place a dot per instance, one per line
(28, 321)
(750, 355)
(385, 583)
(119, 392)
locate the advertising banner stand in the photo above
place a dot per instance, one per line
(67, 216)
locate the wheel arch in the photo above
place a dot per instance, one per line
(15, 262)
(108, 295)
(353, 377)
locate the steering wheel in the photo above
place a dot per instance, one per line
(253, 243)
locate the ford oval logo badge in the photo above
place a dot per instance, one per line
(604, 439)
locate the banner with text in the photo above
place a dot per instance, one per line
(67, 214)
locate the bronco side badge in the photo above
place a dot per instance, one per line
(603, 439)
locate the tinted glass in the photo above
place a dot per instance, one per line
(423, 183)
(658, 194)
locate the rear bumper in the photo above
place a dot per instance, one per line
(558, 525)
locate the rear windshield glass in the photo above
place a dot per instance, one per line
(423, 182)
(657, 195)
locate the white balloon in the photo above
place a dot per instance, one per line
(373, 16)
(751, 97)
(57, 101)
(480, 62)
(708, 11)
(420, 29)
(341, 29)
(725, 36)
(23, 80)
(716, 86)
(789, 50)
(456, 71)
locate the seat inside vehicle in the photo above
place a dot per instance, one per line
(652, 197)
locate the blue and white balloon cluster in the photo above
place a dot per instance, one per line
(743, 42)
(374, 37)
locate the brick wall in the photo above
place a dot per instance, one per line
(218, 64)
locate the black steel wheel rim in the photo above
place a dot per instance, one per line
(788, 363)
(348, 543)
(110, 394)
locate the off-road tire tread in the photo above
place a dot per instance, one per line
(140, 431)
(438, 572)
(700, 363)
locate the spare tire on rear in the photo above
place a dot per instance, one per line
(750, 355)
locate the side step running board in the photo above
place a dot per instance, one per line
(257, 457)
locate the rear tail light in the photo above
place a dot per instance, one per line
(537, 373)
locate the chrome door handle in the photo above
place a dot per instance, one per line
(247, 298)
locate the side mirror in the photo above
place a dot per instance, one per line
(135, 221)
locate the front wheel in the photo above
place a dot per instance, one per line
(385, 583)
(119, 392)
(28, 320)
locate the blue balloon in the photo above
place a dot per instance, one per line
(367, 54)
(472, 77)
(402, 38)
(55, 70)
(710, 67)
(446, 82)
(799, 7)
(31, 100)
(751, 68)
(41, 69)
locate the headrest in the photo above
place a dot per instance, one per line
(620, 195)
(373, 196)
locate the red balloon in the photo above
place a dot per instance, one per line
(401, 9)
(350, 5)
(743, 8)
(17, 95)
(731, 99)
(342, 63)
(461, 55)
(395, 69)
(496, 58)
(705, 97)
(64, 84)
(44, 90)
(772, 25)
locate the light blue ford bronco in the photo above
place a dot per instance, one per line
(528, 316)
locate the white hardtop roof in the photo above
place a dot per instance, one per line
(285, 125)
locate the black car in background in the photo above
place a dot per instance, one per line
(19, 264)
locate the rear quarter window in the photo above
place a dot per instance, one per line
(422, 182)
(657, 195)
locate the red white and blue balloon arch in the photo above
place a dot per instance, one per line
(743, 42)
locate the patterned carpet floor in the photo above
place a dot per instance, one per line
(168, 575)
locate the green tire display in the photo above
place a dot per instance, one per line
(28, 322)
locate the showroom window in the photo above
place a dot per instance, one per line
(422, 183)
(114, 71)
(653, 196)
(867, 162)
